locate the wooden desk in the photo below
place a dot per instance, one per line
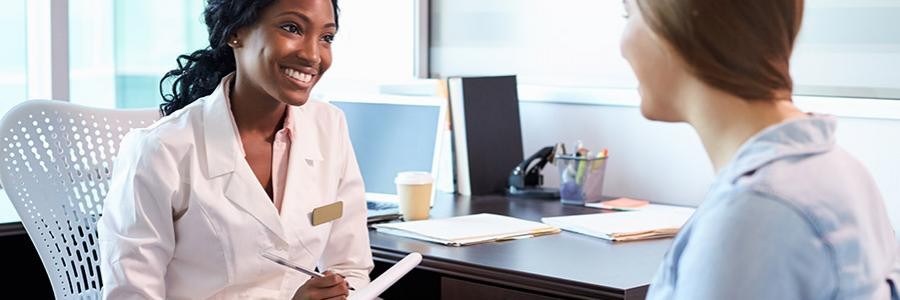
(561, 266)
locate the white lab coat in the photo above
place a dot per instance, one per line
(185, 217)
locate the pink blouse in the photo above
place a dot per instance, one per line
(281, 149)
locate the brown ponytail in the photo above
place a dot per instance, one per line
(742, 47)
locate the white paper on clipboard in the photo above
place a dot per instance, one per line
(388, 278)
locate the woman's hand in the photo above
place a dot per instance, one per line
(332, 286)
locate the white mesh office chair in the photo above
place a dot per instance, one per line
(56, 159)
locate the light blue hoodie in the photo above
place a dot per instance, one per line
(792, 216)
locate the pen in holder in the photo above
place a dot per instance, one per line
(581, 178)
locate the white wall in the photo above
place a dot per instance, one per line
(666, 163)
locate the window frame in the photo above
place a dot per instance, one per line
(48, 70)
(48, 47)
(867, 108)
(871, 104)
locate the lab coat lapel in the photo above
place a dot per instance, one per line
(224, 158)
(304, 187)
(244, 190)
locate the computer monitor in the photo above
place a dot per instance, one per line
(392, 134)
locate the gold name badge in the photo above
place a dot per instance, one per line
(327, 213)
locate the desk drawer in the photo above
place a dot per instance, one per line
(455, 289)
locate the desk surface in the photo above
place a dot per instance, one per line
(569, 262)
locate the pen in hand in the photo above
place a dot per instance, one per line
(284, 262)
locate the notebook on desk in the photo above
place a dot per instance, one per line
(626, 226)
(392, 134)
(468, 230)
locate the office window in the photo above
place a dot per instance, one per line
(571, 43)
(13, 55)
(374, 44)
(13, 74)
(847, 48)
(119, 49)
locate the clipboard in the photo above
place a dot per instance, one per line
(388, 278)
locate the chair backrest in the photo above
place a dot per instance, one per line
(56, 159)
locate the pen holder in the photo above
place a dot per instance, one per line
(580, 179)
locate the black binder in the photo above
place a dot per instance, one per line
(487, 132)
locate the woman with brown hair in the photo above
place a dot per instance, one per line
(790, 215)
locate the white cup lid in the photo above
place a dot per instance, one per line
(413, 178)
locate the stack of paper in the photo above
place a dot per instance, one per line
(625, 226)
(468, 230)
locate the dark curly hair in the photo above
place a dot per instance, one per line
(199, 73)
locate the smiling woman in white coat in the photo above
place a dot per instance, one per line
(242, 163)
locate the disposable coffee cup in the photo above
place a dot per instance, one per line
(414, 194)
